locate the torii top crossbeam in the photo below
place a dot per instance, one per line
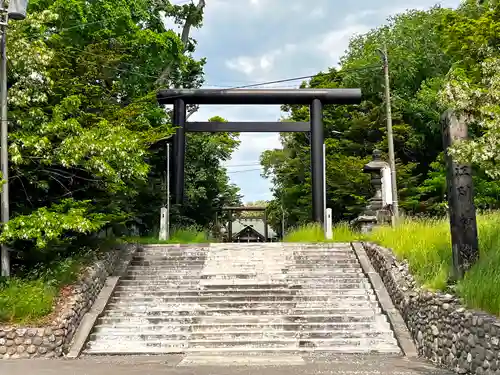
(260, 96)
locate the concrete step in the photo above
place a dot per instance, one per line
(310, 314)
(196, 275)
(172, 254)
(240, 335)
(270, 324)
(283, 259)
(229, 272)
(303, 295)
(243, 298)
(140, 318)
(255, 344)
(109, 349)
(232, 309)
(243, 253)
(146, 290)
(225, 286)
(292, 283)
(140, 262)
(170, 304)
(139, 259)
(172, 266)
(323, 300)
(350, 304)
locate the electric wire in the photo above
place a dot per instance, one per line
(373, 66)
(242, 165)
(244, 171)
(224, 87)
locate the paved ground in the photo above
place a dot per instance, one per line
(171, 365)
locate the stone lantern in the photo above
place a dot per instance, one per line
(374, 212)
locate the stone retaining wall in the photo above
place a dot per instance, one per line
(444, 331)
(54, 339)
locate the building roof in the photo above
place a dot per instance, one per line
(256, 224)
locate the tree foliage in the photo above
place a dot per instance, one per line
(88, 139)
(439, 58)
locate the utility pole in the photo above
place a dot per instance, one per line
(324, 185)
(390, 139)
(4, 128)
(282, 221)
(168, 191)
(15, 11)
(165, 210)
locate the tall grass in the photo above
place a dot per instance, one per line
(426, 245)
(314, 233)
(177, 235)
(480, 287)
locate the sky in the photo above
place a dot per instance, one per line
(254, 41)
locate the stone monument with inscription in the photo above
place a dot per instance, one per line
(460, 193)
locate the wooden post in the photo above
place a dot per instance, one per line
(460, 191)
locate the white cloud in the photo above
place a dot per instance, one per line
(242, 64)
(258, 64)
(335, 42)
(261, 64)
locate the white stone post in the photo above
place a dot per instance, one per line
(328, 224)
(164, 230)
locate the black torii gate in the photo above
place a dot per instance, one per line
(315, 98)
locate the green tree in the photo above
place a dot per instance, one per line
(471, 87)
(87, 142)
(420, 58)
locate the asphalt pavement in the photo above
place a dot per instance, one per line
(233, 364)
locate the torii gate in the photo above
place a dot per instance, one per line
(315, 98)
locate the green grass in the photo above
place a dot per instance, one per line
(28, 300)
(314, 233)
(426, 245)
(179, 235)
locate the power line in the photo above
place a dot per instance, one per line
(368, 67)
(225, 88)
(241, 165)
(281, 80)
(253, 84)
(250, 85)
(245, 170)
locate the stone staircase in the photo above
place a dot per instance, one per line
(269, 297)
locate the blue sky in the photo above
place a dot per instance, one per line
(253, 41)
